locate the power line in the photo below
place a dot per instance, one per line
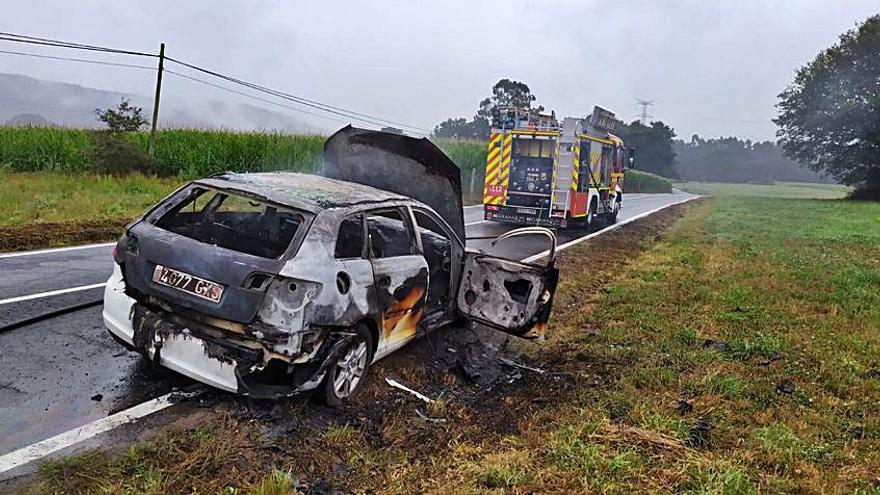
(343, 112)
(20, 38)
(302, 101)
(72, 59)
(241, 93)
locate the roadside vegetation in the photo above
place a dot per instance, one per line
(187, 153)
(637, 181)
(63, 186)
(791, 190)
(724, 352)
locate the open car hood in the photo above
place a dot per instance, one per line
(397, 163)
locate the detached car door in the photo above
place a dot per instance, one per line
(511, 296)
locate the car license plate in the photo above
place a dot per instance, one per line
(526, 211)
(190, 284)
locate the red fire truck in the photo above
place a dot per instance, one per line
(543, 172)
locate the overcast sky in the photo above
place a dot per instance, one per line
(712, 67)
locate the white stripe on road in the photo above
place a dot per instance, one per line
(617, 225)
(61, 441)
(475, 223)
(50, 293)
(39, 450)
(55, 250)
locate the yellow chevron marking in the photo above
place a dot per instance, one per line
(490, 179)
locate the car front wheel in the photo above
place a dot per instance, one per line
(345, 377)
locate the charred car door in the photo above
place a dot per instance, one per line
(400, 274)
(511, 296)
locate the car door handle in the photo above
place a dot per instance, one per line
(384, 281)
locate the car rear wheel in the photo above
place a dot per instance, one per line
(346, 376)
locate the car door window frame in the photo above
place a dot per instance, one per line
(415, 246)
(364, 236)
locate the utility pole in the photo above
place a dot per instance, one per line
(643, 118)
(152, 149)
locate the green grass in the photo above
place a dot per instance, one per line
(791, 190)
(637, 181)
(26, 198)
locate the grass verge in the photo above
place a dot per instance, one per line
(637, 181)
(791, 190)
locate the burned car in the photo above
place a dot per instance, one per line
(269, 284)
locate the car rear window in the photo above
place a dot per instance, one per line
(234, 221)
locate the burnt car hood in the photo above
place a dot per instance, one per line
(397, 163)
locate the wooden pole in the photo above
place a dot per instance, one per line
(152, 149)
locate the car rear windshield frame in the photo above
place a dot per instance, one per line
(163, 217)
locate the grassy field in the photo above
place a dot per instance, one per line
(793, 190)
(734, 353)
(59, 197)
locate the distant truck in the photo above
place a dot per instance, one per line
(543, 172)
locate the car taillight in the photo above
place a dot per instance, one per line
(492, 207)
(126, 244)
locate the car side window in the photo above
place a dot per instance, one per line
(389, 234)
(350, 239)
(430, 230)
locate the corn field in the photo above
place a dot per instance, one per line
(189, 153)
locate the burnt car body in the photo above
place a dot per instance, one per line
(271, 284)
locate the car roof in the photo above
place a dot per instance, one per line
(303, 191)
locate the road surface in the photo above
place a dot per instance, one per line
(64, 372)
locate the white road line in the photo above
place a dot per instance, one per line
(39, 450)
(617, 225)
(50, 293)
(69, 438)
(475, 223)
(55, 250)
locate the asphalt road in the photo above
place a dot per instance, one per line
(66, 371)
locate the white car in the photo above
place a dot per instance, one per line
(271, 284)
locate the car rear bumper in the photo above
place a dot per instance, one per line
(523, 216)
(181, 352)
(232, 363)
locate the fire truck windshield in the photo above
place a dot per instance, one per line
(531, 171)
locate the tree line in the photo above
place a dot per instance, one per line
(829, 126)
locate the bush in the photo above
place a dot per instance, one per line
(637, 181)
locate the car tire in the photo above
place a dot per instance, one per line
(345, 377)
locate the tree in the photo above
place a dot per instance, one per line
(505, 93)
(124, 118)
(730, 159)
(458, 128)
(829, 117)
(653, 146)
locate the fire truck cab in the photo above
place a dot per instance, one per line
(543, 172)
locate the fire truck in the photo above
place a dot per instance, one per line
(540, 171)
